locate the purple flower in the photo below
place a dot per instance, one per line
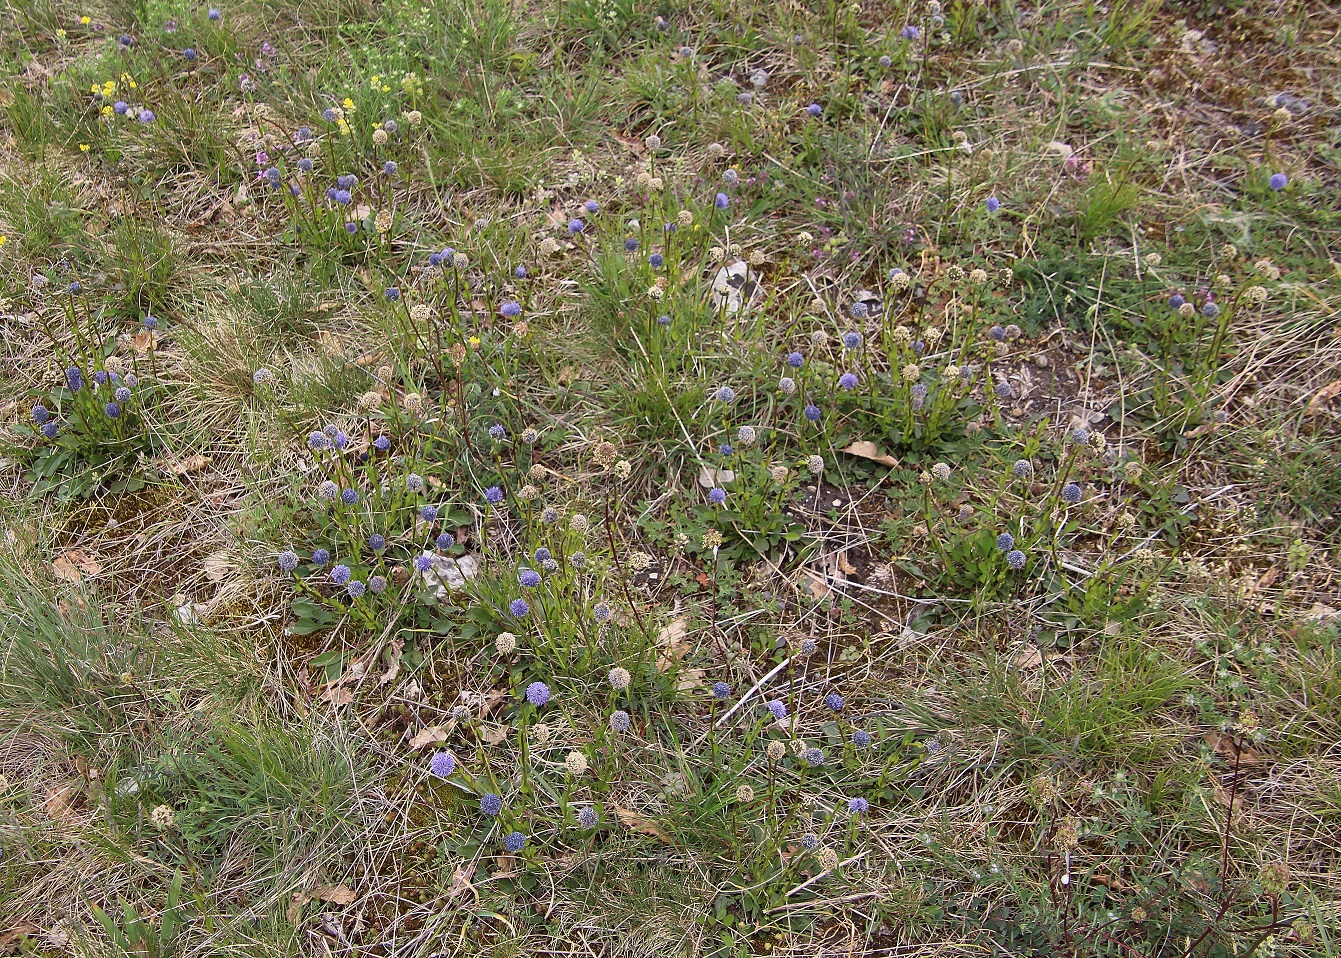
(812, 413)
(537, 693)
(376, 542)
(910, 32)
(814, 109)
(576, 226)
(51, 429)
(493, 495)
(833, 702)
(496, 431)
(725, 394)
(1176, 301)
(356, 589)
(1005, 542)
(993, 204)
(1015, 559)
(851, 340)
(423, 562)
(861, 739)
(725, 449)
(320, 557)
(847, 381)
(377, 584)
(510, 310)
(146, 116)
(442, 764)
(795, 360)
(528, 578)
(858, 806)
(720, 690)
(340, 574)
(349, 497)
(717, 496)
(722, 201)
(588, 817)
(445, 541)
(491, 804)
(389, 168)
(214, 13)
(520, 272)
(1071, 493)
(288, 560)
(656, 260)
(306, 165)
(1278, 181)
(591, 206)
(41, 414)
(382, 443)
(514, 842)
(189, 53)
(630, 245)
(112, 410)
(121, 107)
(122, 395)
(778, 708)
(620, 721)
(814, 757)
(392, 294)
(74, 379)
(519, 608)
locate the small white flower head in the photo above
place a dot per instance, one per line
(262, 376)
(576, 763)
(619, 678)
(163, 817)
(815, 464)
(506, 643)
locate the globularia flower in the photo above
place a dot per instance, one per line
(847, 381)
(993, 204)
(356, 589)
(41, 414)
(619, 721)
(998, 333)
(810, 841)
(423, 562)
(717, 496)
(851, 340)
(1003, 390)
(442, 764)
(795, 360)
(1071, 493)
(861, 738)
(340, 574)
(349, 496)
(377, 584)
(519, 608)
(382, 443)
(537, 693)
(414, 482)
(722, 201)
(1278, 181)
(1210, 310)
(1015, 559)
(834, 702)
(493, 495)
(320, 557)
(514, 842)
(787, 385)
(1023, 468)
(491, 804)
(778, 708)
(112, 410)
(588, 818)
(1005, 542)
(51, 429)
(306, 165)
(858, 806)
(376, 542)
(444, 541)
(814, 109)
(146, 116)
(591, 206)
(1079, 436)
(528, 578)
(288, 560)
(910, 32)
(725, 394)
(1176, 301)
(510, 309)
(576, 226)
(814, 757)
(720, 690)
(74, 379)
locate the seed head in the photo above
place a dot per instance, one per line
(575, 763)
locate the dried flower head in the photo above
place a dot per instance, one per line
(744, 793)
(575, 763)
(619, 678)
(776, 750)
(163, 817)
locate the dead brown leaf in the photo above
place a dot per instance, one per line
(59, 803)
(338, 695)
(461, 877)
(1231, 749)
(191, 464)
(16, 933)
(73, 564)
(428, 736)
(1029, 657)
(868, 450)
(393, 670)
(1324, 395)
(217, 566)
(671, 643)
(494, 734)
(335, 894)
(642, 824)
(847, 568)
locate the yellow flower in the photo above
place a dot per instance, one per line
(376, 79)
(84, 21)
(385, 88)
(83, 147)
(94, 89)
(107, 111)
(349, 105)
(3, 239)
(60, 33)
(474, 342)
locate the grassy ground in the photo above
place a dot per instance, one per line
(599, 478)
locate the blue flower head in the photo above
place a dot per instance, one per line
(491, 804)
(833, 702)
(812, 412)
(423, 562)
(1005, 542)
(74, 379)
(510, 310)
(657, 260)
(576, 226)
(514, 842)
(814, 757)
(349, 496)
(376, 542)
(41, 414)
(528, 578)
(722, 201)
(1015, 559)
(861, 739)
(340, 574)
(288, 560)
(778, 708)
(496, 431)
(814, 109)
(725, 394)
(112, 410)
(993, 204)
(720, 690)
(442, 764)
(445, 541)
(146, 116)
(795, 360)
(591, 206)
(389, 168)
(630, 245)
(1278, 181)
(717, 496)
(382, 443)
(320, 557)
(847, 381)
(1071, 493)
(537, 693)
(858, 806)
(519, 608)
(121, 107)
